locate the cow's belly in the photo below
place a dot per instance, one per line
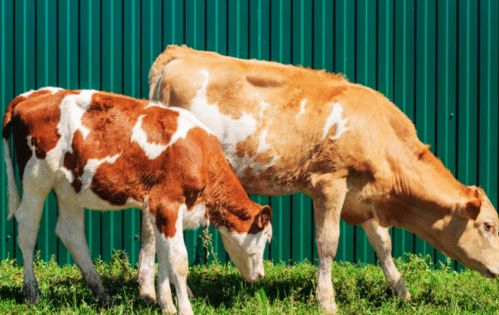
(355, 212)
(87, 198)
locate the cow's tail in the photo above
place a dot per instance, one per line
(157, 71)
(11, 182)
(155, 84)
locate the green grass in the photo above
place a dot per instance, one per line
(219, 289)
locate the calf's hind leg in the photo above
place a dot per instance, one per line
(71, 231)
(37, 183)
(380, 240)
(28, 216)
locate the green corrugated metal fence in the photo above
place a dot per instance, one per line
(437, 60)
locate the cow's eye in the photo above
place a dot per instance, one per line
(487, 227)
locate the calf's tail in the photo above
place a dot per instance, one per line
(11, 182)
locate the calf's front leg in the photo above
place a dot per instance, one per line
(328, 197)
(380, 240)
(172, 258)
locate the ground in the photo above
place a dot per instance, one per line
(219, 289)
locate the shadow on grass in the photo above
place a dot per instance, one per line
(227, 289)
(213, 289)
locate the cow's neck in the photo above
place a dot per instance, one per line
(424, 196)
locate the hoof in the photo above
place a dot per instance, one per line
(406, 296)
(328, 308)
(148, 298)
(189, 293)
(31, 292)
(168, 309)
(186, 311)
(402, 291)
(105, 300)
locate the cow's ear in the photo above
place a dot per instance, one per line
(470, 210)
(264, 217)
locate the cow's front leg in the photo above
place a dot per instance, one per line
(146, 260)
(380, 240)
(172, 257)
(328, 196)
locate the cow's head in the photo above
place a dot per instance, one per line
(472, 235)
(246, 248)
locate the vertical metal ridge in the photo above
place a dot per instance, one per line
(438, 61)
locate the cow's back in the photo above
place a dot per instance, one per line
(277, 123)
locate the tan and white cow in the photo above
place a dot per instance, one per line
(108, 152)
(288, 129)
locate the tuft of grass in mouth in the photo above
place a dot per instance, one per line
(219, 289)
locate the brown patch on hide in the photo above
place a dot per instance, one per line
(158, 126)
(37, 116)
(190, 171)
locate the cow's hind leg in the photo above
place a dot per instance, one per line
(379, 237)
(329, 196)
(70, 229)
(146, 260)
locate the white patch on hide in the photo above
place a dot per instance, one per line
(262, 142)
(303, 103)
(195, 217)
(185, 122)
(335, 118)
(155, 104)
(92, 165)
(51, 89)
(189, 117)
(228, 130)
(151, 149)
(72, 108)
(263, 107)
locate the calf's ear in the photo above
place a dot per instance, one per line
(264, 217)
(470, 210)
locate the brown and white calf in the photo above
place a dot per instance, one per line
(288, 129)
(108, 152)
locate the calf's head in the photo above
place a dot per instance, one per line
(246, 248)
(472, 233)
